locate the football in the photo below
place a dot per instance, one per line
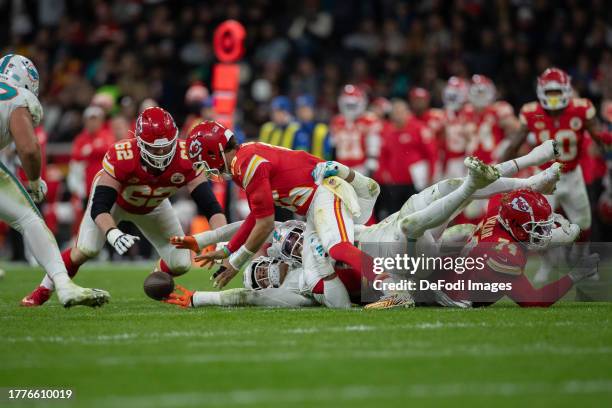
(158, 285)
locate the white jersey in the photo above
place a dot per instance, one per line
(12, 98)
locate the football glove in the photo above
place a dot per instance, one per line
(38, 190)
(121, 241)
(328, 169)
(181, 297)
(186, 242)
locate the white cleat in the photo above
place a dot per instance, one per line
(545, 181)
(70, 294)
(480, 174)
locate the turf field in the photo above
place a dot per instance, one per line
(135, 352)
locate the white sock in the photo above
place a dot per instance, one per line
(501, 185)
(45, 250)
(47, 282)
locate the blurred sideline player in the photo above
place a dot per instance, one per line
(515, 224)
(139, 177)
(453, 139)
(20, 112)
(356, 133)
(433, 118)
(559, 116)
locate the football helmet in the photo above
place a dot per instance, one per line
(454, 93)
(206, 145)
(20, 72)
(288, 241)
(554, 79)
(482, 91)
(262, 272)
(156, 135)
(352, 102)
(527, 215)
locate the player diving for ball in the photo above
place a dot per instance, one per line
(139, 176)
(20, 112)
(421, 213)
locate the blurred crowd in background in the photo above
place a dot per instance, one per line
(101, 62)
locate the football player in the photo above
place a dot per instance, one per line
(20, 112)
(488, 121)
(355, 133)
(521, 222)
(559, 116)
(139, 176)
(453, 138)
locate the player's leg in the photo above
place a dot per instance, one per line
(88, 244)
(539, 155)
(269, 297)
(577, 207)
(18, 210)
(439, 211)
(158, 227)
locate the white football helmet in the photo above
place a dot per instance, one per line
(287, 241)
(261, 273)
(20, 72)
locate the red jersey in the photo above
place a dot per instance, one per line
(90, 149)
(453, 138)
(504, 262)
(434, 119)
(486, 128)
(142, 190)
(568, 128)
(272, 176)
(401, 148)
(355, 141)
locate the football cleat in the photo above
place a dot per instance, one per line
(479, 173)
(71, 294)
(37, 298)
(392, 301)
(545, 182)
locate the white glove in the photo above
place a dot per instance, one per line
(328, 169)
(585, 268)
(121, 241)
(38, 190)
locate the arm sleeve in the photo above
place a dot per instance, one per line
(221, 234)
(103, 200)
(205, 200)
(242, 234)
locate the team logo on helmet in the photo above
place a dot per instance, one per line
(520, 204)
(195, 149)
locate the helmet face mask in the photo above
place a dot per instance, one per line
(454, 94)
(554, 89)
(528, 217)
(263, 272)
(352, 102)
(482, 91)
(156, 135)
(288, 241)
(20, 72)
(206, 144)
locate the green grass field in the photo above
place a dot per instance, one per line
(135, 352)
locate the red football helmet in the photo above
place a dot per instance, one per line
(352, 102)
(156, 135)
(554, 79)
(482, 91)
(455, 93)
(206, 145)
(527, 215)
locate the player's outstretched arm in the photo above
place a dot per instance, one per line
(198, 241)
(28, 150)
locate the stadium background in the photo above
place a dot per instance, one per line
(123, 55)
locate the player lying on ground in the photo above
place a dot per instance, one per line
(522, 221)
(139, 176)
(20, 112)
(287, 243)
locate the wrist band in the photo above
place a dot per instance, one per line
(226, 250)
(240, 257)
